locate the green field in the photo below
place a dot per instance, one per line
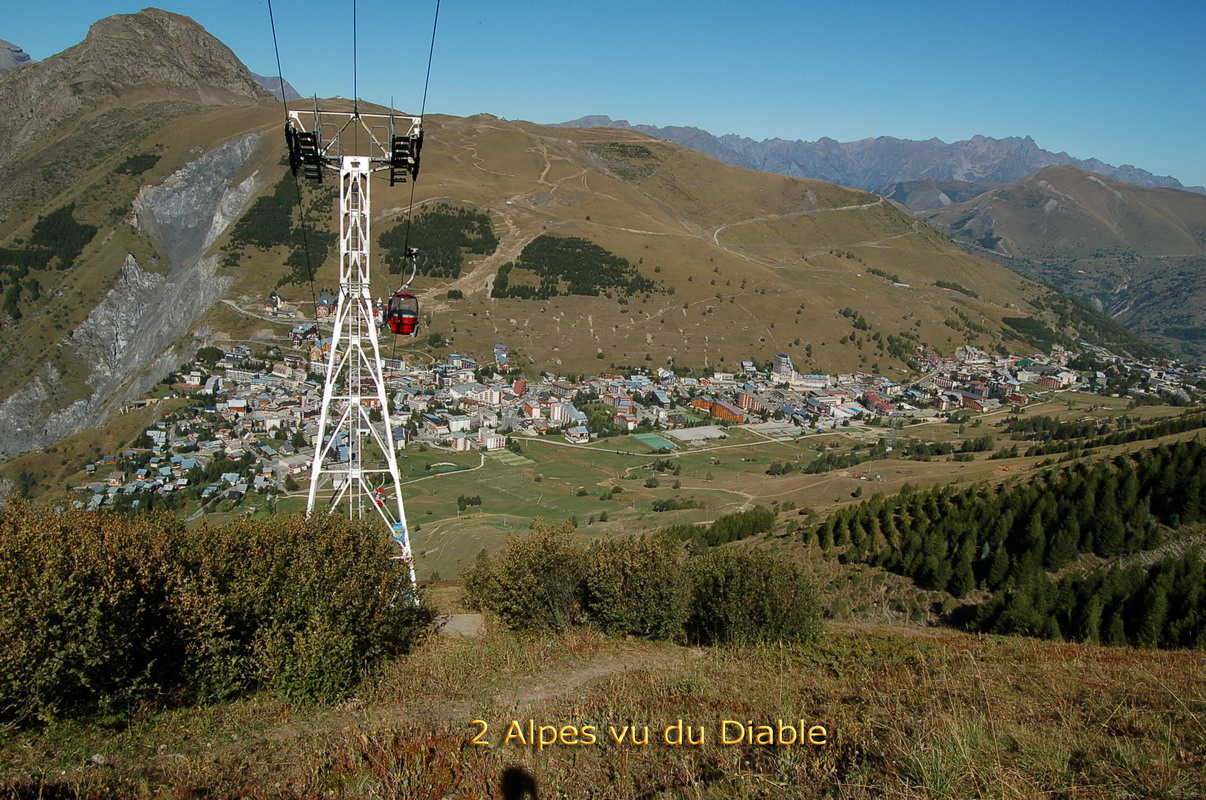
(654, 442)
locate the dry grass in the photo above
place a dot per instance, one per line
(911, 713)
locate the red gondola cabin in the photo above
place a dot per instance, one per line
(402, 313)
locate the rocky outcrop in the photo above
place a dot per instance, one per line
(27, 420)
(130, 337)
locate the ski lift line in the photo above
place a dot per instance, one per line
(410, 209)
(355, 89)
(430, 52)
(296, 185)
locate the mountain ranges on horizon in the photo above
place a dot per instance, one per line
(878, 164)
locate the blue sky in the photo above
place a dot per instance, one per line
(1122, 81)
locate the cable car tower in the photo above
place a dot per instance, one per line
(355, 466)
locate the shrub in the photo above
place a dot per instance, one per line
(99, 611)
(533, 583)
(656, 588)
(637, 586)
(748, 597)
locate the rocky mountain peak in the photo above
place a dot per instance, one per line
(126, 60)
(12, 56)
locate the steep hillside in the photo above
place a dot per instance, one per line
(741, 263)
(1138, 254)
(877, 163)
(273, 84)
(101, 231)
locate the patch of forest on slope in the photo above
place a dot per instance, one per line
(443, 235)
(565, 265)
(1006, 538)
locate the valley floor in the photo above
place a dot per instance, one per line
(907, 712)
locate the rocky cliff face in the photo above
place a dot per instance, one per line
(130, 337)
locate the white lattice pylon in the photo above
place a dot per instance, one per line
(354, 456)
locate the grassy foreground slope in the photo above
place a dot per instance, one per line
(909, 713)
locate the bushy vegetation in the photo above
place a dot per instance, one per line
(650, 587)
(1094, 326)
(745, 597)
(1162, 605)
(920, 450)
(728, 528)
(637, 586)
(17, 259)
(829, 461)
(856, 319)
(628, 160)
(137, 164)
(888, 276)
(1035, 332)
(1053, 428)
(443, 234)
(675, 504)
(269, 221)
(565, 265)
(956, 287)
(1186, 422)
(100, 612)
(999, 537)
(534, 583)
(55, 236)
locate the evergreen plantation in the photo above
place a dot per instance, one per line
(1156, 606)
(1005, 538)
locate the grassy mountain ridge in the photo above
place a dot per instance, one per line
(925, 194)
(1138, 254)
(750, 263)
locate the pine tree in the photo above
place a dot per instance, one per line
(1151, 628)
(1115, 630)
(963, 579)
(1063, 543)
(998, 568)
(841, 532)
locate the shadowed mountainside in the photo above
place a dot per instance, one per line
(1138, 254)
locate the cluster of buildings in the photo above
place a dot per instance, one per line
(262, 412)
